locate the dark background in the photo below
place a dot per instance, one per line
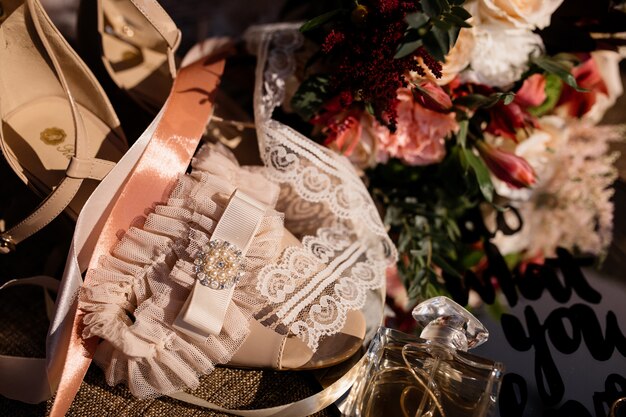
(584, 376)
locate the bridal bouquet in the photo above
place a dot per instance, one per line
(473, 123)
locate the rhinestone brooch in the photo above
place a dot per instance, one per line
(218, 265)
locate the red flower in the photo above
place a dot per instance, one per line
(533, 91)
(537, 259)
(342, 126)
(345, 135)
(507, 119)
(433, 97)
(362, 50)
(388, 6)
(507, 167)
(588, 76)
(332, 39)
(504, 120)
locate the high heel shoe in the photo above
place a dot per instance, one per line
(138, 44)
(234, 256)
(59, 132)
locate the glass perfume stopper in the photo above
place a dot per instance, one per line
(445, 322)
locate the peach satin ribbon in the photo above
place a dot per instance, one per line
(167, 156)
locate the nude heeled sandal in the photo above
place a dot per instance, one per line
(168, 338)
(59, 132)
(139, 41)
(266, 349)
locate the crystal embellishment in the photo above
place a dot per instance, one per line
(218, 265)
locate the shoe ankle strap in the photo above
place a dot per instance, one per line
(56, 202)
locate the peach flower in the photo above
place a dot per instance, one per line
(459, 56)
(421, 133)
(363, 151)
(457, 60)
(533, 91)
(523, 14)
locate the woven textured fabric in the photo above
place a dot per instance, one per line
(23, 325)
(233, 388)
(23, 322)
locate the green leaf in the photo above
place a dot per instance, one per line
(455, 20)
(560, 68)
(513, 259)
(460, 12)
(454, 35)
(421, 251)
(472, 101)
(565, 56)
(442, 24)
(475, 101)
(411, 35)
(408, 48)
(507, 98)
(432, 8)
(554, 87)
(443, 38)
(472, 258)
(446, 267)
(319, 20)
(482, 173)
(433, 44)
(311, 95)
(431, 291)
(461, 137)
(416, 20)
(418, 283)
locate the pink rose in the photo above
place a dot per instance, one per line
(421, 133)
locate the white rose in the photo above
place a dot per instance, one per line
(608, 65)
(500, 56)
(541, 150)
(522, 14)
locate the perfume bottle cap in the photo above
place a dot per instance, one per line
(446, 322)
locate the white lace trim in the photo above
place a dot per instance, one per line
(314, 286)
(346, 249)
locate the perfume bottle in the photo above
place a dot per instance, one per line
(432, 375)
